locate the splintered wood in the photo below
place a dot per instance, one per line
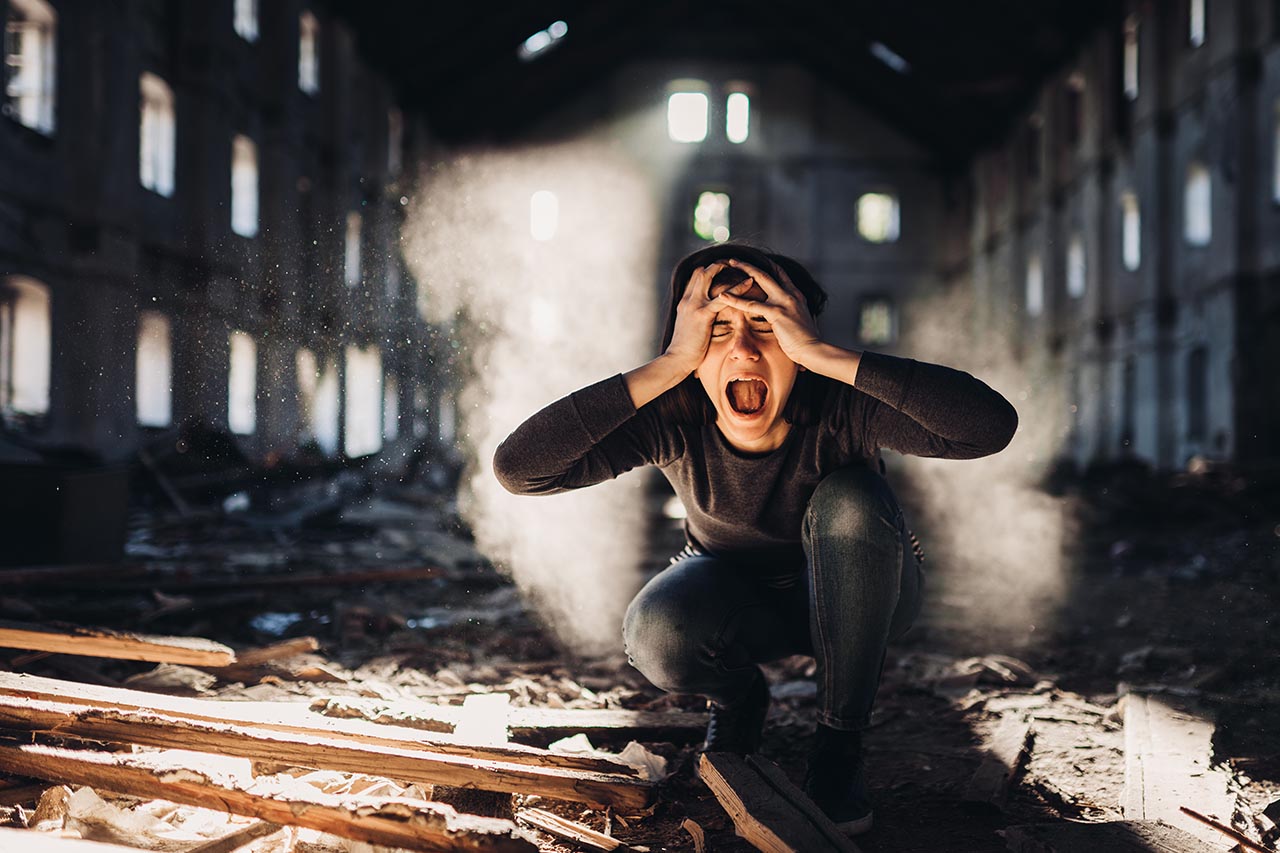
(767, 809)
(104, 643)
(322, 752)
(1168, 754)
(395, 822)
(1009, 750)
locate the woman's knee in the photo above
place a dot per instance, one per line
(853, 501)
(665, 632)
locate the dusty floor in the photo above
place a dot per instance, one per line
(1176, 586)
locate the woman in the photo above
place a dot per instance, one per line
(796, 544)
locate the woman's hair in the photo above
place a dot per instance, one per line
(687, 402)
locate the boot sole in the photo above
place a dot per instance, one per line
(856, 827)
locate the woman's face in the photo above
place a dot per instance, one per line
(747, 376)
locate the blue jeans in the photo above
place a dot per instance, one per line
(704, 623)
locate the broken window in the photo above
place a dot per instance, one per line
(351, 254)
(1077, 268)
(1196, 22)
(246, 19)
(1197, 393)
(737, 117)
(878, 217)
(153, 369)
(1035, 286)
(25, 327)
(1131, 237)
(711, 216)
(242, 385)
(391, 410)
(308, 53)
(1197, 203)
(395, 141)
(156, 135)
(244, 186)
(29, 51)
(877, 321)
(687, 115)
(544, 215)
(1131, 58)
(364, 401)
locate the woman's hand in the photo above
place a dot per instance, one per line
(694, 315)
(785, 308)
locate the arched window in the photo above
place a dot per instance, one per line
(244, 186)
(30, 63)
(1131, 236)
(156, 135)
(1198, 206)
(687, 106)
(308, 53)
(25, 334)
(153, 371)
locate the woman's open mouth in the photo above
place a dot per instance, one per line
(747, 395)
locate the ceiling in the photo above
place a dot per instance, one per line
(974, 64)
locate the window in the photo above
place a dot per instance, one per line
(242, 385)
(363, 401)
(25, 348)
(153, 369)
(1197, 393)
(877, 321)
(246, 19)
(325, 409)
(1073, 107)
(351, 254)
(1077, 268)
(395, 141)
(1131, 58)
(156, 135)
(737, 117)
(1275, 155)
(1131, 237)
(687, 116)
(244, 186)
(544, 215)
(878, 217)
(391, 410)
(1196, 22)
(1197, 201)
(308, 53)
(1035, 286)
(30, 64)
(711, 216)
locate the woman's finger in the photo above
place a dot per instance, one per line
(768, 310)
(772, 287)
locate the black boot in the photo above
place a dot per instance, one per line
(737, 727)
(835, 779)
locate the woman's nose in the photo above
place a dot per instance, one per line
(745, 347)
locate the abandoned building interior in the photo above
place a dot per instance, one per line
(278, 276)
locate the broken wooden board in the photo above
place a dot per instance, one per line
(105, 643)
(289, 717)
(1127, 836)
(535, 725)
(768, 811)
(316, 750)
(1168, 753)
(1008, 751)
(562, 828)
(391, 821)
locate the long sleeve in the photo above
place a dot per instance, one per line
(925, 409)
(592, 435)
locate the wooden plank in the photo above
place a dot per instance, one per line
(391, 821)
(282, 650)
(1008, 751)
(105, 643)
(562, 828)
(1114, 837)
(1168, 758)
(240, 838)
(290, 717)
(531, 724)
(767, 810)
(321, 752)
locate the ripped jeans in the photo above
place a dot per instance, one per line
(704, 623)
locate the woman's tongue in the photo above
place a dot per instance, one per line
(747, 396)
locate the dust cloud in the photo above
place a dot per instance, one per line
(994, 549)
(536, 319)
